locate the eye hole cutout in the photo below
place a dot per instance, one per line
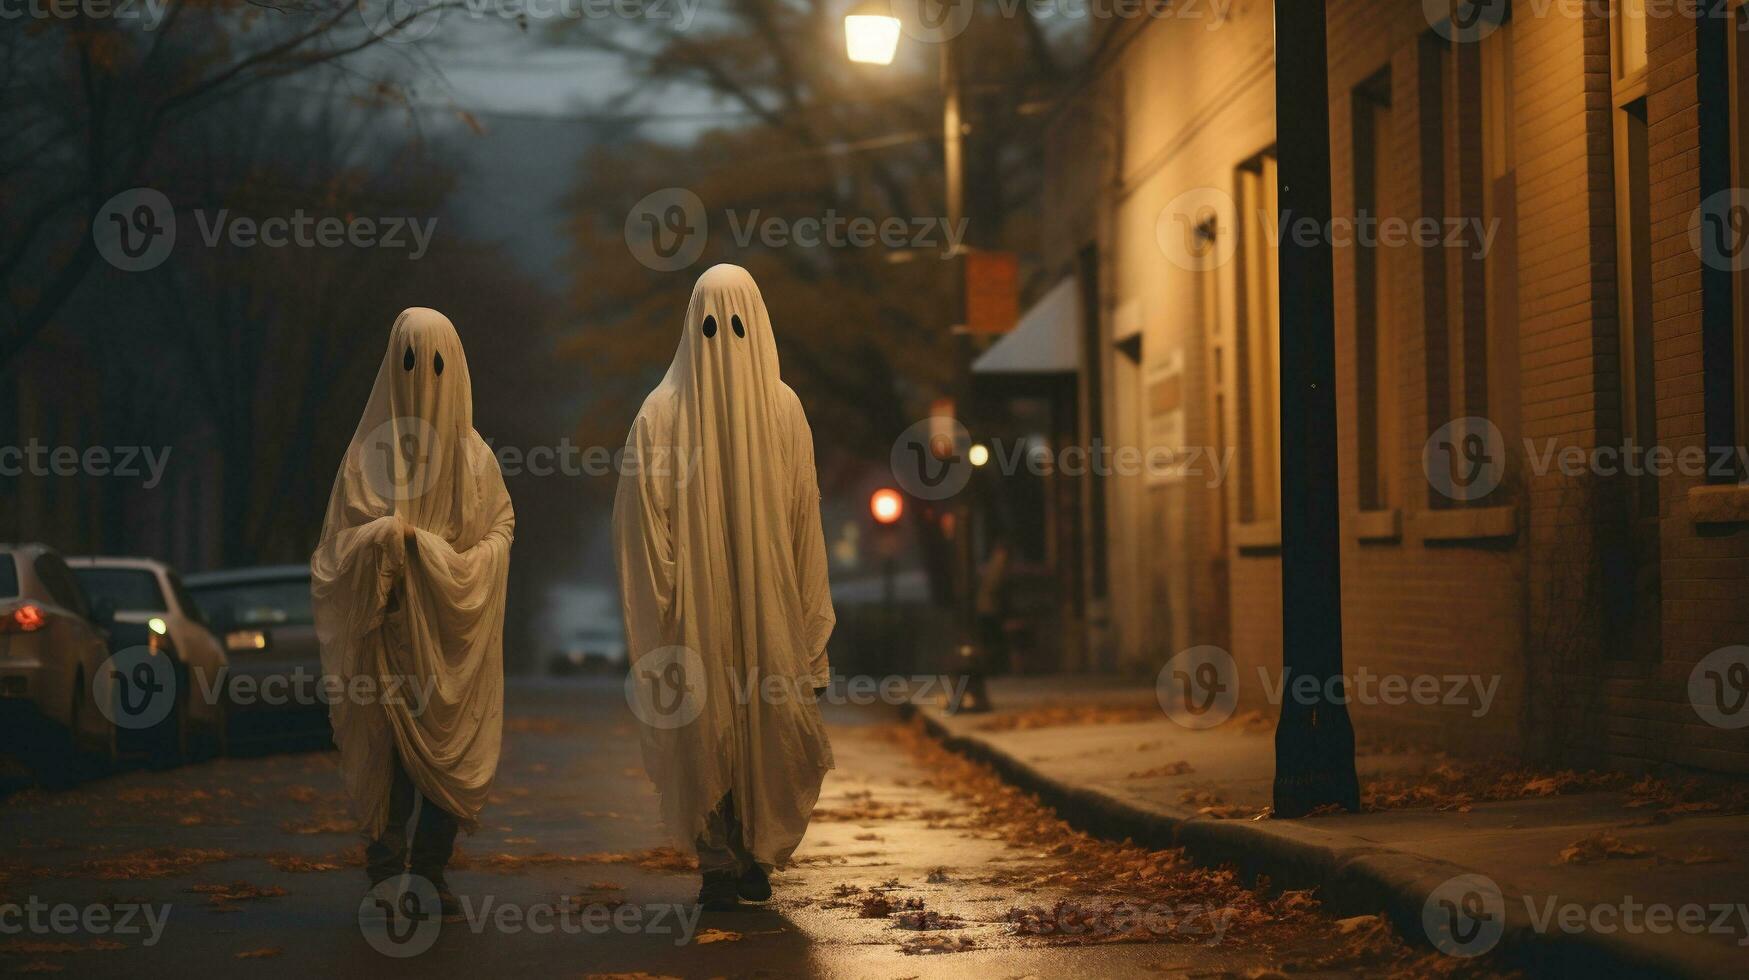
(710, 326)
(437, 362)
(735, 321)
(407, 361)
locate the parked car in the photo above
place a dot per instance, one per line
(591, 650)
(263, 619)
(152, 609)
(53, 640)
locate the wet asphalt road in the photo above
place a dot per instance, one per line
(251, 866)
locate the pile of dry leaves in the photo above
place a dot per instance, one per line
(1127, 893)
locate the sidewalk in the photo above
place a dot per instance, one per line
(1586, 880)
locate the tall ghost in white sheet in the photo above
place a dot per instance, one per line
(408, 583)
(722, 569)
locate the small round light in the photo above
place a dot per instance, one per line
(979, 454)
(886, 505)
(158, 626)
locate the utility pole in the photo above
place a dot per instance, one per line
(1314, 741)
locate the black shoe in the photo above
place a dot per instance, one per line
(753, 885)
(447, 903)
(385, 859)
(718, 893)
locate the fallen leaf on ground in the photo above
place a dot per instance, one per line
(1599, 848)
(294, 864)
(927, 945)
(1178, 768)
(156, 862)
(717, 936)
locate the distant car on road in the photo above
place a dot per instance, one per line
(152, 608)
(591, 650)
(53, 640)
(263, 618)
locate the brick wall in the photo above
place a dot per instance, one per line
(1525, 607)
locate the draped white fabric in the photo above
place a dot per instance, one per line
(426, 620)
(720, 552)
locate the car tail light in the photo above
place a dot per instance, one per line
(27, 618)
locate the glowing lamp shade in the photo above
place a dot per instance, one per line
(886, 505)
(979, 454)
(871, 39)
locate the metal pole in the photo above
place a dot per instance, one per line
(950, 133)
(1314, 742)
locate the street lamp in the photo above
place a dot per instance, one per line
(871, 34)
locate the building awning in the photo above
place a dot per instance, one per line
(1047, 340)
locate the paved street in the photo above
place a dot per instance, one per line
(255, 859)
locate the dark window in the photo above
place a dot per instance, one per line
(129, 589)
(1375, 336)
(63, 589)
(239, 606)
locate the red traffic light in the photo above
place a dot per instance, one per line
(886, 505)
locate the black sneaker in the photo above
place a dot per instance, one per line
(753, 885)
(447, 903)
(718, 893)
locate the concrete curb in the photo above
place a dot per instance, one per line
(1352, 876)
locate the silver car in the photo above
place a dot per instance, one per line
(149, 595)
(52, 643)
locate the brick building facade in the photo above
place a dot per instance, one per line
(1559, 153)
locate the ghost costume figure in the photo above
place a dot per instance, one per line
(722, 569)
(408, 584)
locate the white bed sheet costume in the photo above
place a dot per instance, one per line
(416, 459)
(722, 569)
